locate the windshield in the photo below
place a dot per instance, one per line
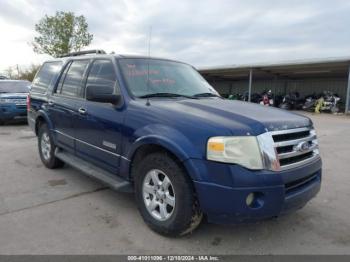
(163, 77)
(14, 86)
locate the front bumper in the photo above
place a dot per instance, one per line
(222, 190)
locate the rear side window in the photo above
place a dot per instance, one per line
(60, 82)
(46, 76)
(102, 74)
(73, 81)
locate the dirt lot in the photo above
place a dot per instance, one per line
(63, 212)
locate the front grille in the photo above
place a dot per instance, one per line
(290, 136)
(284, 149)
(295, 159)
(295, 147)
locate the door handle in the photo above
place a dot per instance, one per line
(50, 102)
(82, 111)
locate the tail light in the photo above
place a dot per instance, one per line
(28, 102)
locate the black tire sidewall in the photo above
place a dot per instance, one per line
(183, 211)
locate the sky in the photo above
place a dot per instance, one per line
(202, 33)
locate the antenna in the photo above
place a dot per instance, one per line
(149, 56)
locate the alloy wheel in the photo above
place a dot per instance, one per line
(158, 195)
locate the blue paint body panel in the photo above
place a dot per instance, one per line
(223, 197)
(109, 136)
(15, 108)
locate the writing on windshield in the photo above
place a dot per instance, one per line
(149, 76)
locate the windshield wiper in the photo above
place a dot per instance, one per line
(166, 95)
(206, 95)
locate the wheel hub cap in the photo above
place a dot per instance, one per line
(158, 194)
(45, 146)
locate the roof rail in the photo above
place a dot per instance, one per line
(86, 52)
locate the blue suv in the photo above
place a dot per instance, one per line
(157, 128)
(13, 97)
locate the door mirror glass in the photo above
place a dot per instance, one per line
(101, 93)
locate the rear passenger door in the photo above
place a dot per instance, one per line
(63, 102)
(98, 125)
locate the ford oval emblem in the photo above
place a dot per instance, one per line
(302, 147)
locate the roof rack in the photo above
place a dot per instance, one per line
(86, 52)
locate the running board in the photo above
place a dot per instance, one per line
(113, 181)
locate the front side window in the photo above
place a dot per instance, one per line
(46, 76)
(102, 74)
(154, 76)
(73, 81)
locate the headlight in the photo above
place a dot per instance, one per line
(253, 152)
(241, 150)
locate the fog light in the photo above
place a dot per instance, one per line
(255, 200)
(250, 198)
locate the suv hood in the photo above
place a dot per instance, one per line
(241, 118)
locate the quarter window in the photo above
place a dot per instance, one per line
(46, 76)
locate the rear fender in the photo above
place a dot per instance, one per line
(42, 115)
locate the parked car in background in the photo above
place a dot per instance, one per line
(13, 95)
(157, 128)
(3, 77)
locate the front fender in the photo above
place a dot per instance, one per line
(167, 137)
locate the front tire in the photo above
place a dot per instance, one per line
(47, 148)
(165, 195)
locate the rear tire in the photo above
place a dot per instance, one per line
(165, 195)
(47, 148)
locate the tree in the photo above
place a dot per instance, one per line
(14, 72)
(9, 72)
(29, 73)
(61, 34)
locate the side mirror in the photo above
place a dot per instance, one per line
(102, 94)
